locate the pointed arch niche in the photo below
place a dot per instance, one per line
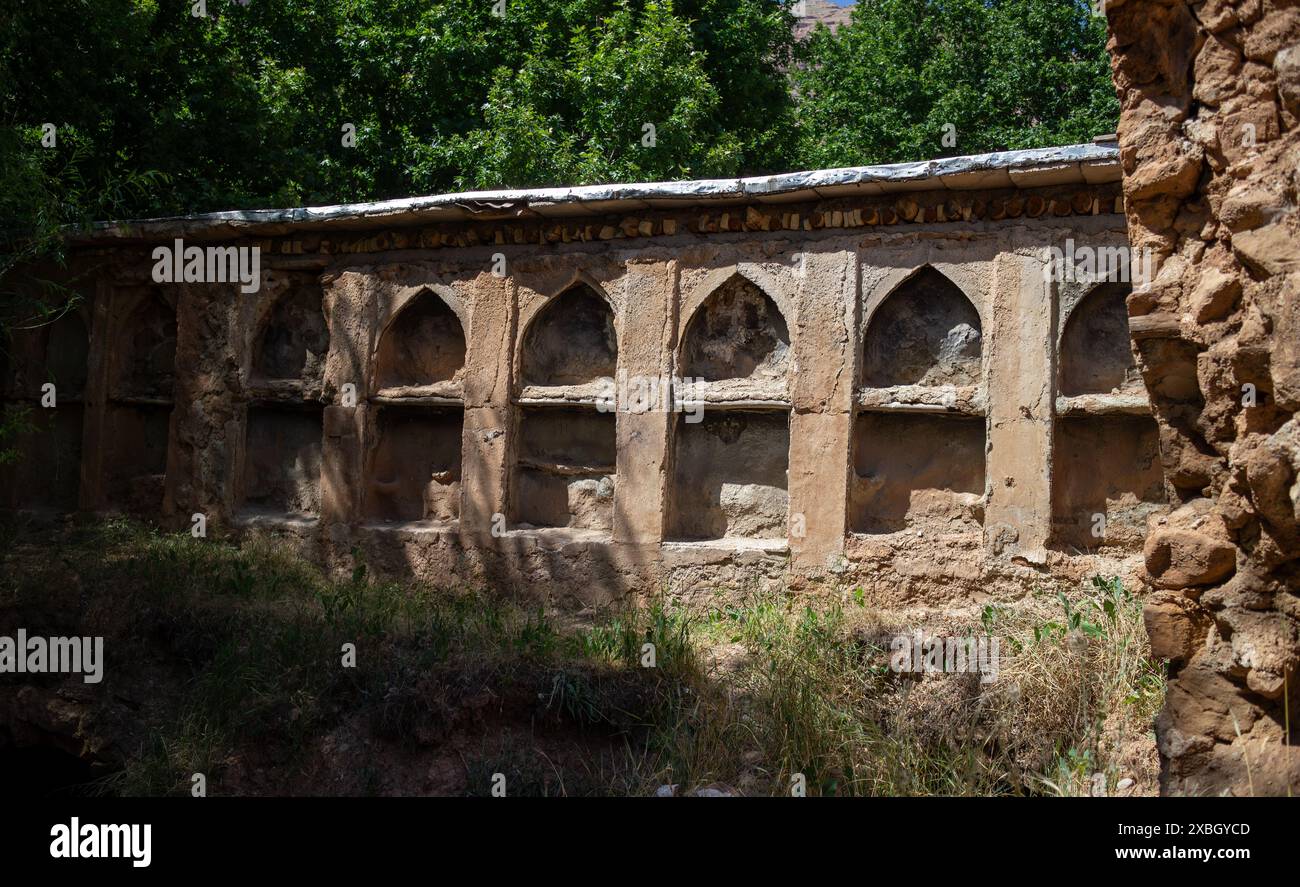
(919, 431)
(731, 441)
(285, 413)
(48, 476)
(293, 338)
(413, 458)
(142, 379)
(565, 472)
(1106, 472)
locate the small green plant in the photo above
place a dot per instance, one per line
(15, 422)
(1074, 774)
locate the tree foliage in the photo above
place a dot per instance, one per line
(159, 111)
(990, 74)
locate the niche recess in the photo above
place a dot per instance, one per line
(293, 340)
(413, 462)
(919, 433)
(422, 351)
(285, 409)
(738, 334)
(565, 457)
(282, 460)
(731, 470)
(48, 474)
(1106, 472)
(141, 382)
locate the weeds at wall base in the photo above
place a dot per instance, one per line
(226, 661)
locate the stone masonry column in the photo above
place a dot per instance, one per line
(1209, 133)
(821, 393)
(640, 494)
(98, 362)
(347, 303)
(485, 440)
(1018, 339)
(204, 415)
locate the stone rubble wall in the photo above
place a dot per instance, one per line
(1211, 158)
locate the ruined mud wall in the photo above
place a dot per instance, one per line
(1211, 153)
(892, 393)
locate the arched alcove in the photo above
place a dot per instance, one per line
(1095, 356)
(1107, 478)
(138, 419)
(294, 338)
(413, 461)
(423, 345)
(737, 333)
(926, 332)
(731, 465)
(571, 341)
(48, 473)
(915, 468)
(67, 344)
(283, 425)
(565, 459)
(146, 365)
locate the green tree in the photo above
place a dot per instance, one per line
(245, 107)
(991, 74)
(629, 99)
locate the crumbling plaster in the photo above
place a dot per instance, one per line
(827, 283)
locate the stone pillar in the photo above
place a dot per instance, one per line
(199, 444)
(349, 312)
(1019, 338)
(485, 441)
(821, 393)
(640, 495)
(98, 364)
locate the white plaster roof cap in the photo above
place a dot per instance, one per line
(1069, 164)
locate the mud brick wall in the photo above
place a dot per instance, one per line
(1209, 141)
(890, 393)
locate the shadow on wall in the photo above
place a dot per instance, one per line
(565, 465)
(142, 382)
(413, 459)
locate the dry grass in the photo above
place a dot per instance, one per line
(805, 690)
(237, 650)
